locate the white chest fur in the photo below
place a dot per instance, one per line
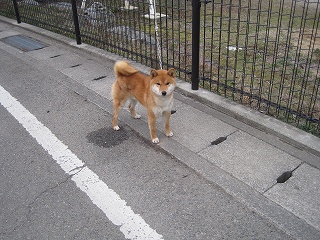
(163, 104)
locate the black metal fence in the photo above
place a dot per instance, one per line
(263, 54)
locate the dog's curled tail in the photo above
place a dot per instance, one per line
(123, 68)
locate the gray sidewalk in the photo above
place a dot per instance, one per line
(239, 149)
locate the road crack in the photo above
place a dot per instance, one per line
(30, 206)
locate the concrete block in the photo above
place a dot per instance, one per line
(4, 34)
(63, 61)
(88, 71)
(196, 129)
(46, 53)
(251, 160)
(101, 86)
(300, 194)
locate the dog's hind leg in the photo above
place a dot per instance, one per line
(117, 105)
(132, 108)
(119, 98)
(116, 110)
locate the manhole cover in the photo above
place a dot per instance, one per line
(23, 43)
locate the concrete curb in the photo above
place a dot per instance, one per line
(284, 131)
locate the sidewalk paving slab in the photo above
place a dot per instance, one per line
(298, 194)
(251, 160)
(187, 121)
(4, 34)
(64, 60)
(46, 53)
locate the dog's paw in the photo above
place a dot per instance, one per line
(169, 134)
(137, 116)
(155, 140)
(116, 128)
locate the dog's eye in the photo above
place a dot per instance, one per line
(167, 83)
(158, 84)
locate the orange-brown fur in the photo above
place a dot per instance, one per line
(154, 92)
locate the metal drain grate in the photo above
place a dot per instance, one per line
(23, 43)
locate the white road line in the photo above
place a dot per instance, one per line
(131, 225)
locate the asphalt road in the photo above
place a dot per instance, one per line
(39, 200)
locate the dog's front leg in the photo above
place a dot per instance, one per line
(166, 115)
(152, 126)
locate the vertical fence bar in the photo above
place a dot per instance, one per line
(16, 10)
(195, 44)
(76, 21)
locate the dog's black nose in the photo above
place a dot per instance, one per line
(164, 93)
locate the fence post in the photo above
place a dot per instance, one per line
(76, 21)
(195, 44)
(16, 10)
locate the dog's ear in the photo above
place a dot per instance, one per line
(153, 73)
(172, 72)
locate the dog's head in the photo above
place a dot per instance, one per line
(162, 81)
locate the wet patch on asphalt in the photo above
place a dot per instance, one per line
(107, 137)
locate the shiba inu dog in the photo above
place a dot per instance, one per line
(154, 92)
